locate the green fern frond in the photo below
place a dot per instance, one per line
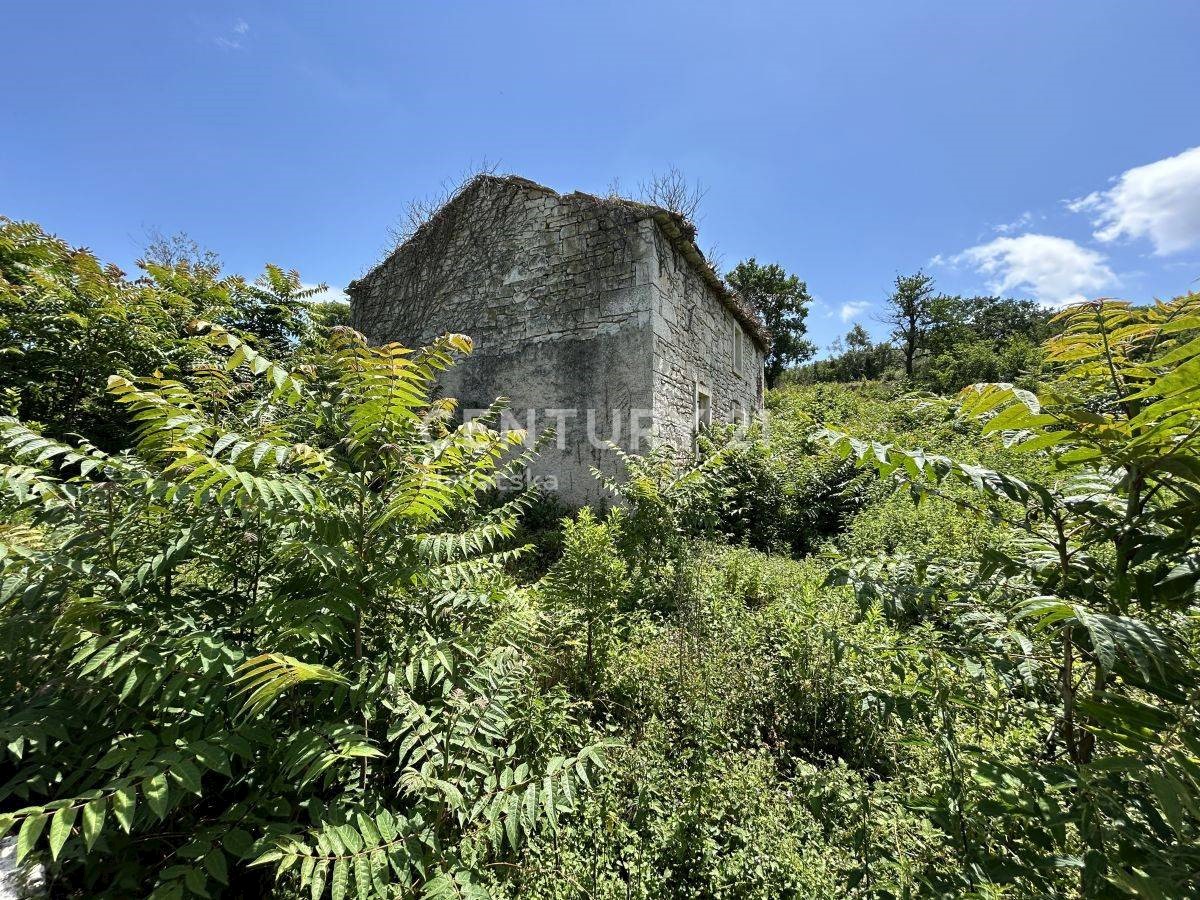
(263, 678)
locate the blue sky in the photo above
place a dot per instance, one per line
(1034, 148)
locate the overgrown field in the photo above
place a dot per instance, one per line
(269, 632)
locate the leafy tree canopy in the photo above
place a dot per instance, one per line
(910, 311)
(782, 300)
(67, 322)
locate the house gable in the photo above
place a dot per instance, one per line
(588, 314)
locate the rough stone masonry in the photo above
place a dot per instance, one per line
(598, 317)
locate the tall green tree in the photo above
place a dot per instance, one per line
(272, 312)
(976, 339)
(1095, 592)
(910, 313)
(782, 300)
(270, 641)
(67, 322)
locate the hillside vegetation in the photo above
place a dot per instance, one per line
(269, 631)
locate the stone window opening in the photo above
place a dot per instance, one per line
(703, 409)
(738, 349)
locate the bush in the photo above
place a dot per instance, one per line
(267, 650)
(68, 322)
(584, 592)
(293, 642)
(674, 824)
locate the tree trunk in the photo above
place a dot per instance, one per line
(587, 666)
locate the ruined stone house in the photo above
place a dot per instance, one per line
(599, 317)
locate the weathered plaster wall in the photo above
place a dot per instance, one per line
(694, 334)
(574, 303)
(545, 286)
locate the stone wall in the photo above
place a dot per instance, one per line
(575, 303)
(545, 286)
(694, 334)
(517, 261)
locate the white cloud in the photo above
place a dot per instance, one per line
(1054, 270)
(853, 308)
(1159, 201)
(1021, 222)
(233, 40)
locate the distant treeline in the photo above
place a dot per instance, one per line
(949, 341)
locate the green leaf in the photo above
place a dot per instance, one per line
(238, 842)
(93, 820)
(271, 856)
(31, 830)
(218, 868)
(319, 876)
(196, 881)
(1168, 801)
(1041, 441)
(186, 773)
(211, 757)
(124, 803)
(341, 878)
(60, 828)
(380, 878)
(512, 821)
(1017, 417)
(548, 803)
(362, 876)
(157, 794)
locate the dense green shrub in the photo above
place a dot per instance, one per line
(1089, 595)
(262, 648)
(68, 322)
(666, 823)
(295, 643)
(766, 749)
(584, 593)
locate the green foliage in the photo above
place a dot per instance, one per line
(1094, 593)
(782, 300)
(750, 498)
(661, 824)
(982, 339)
(857, 358)
(585, 591)
(67, 322)
(262, 648)
(293, 641)
(954, 342)
(273, 311)
(760, 727)
(668, 506)
(778, 489)
(910, 313)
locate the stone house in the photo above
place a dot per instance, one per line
(599, 317)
